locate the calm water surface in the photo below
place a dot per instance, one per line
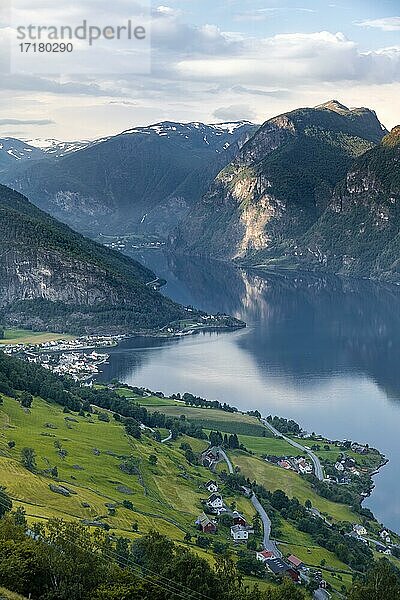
(323, 351)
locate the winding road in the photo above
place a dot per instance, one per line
(267, 542)
(266, 521)
(318, 470)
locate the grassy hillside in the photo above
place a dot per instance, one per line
(91, 471)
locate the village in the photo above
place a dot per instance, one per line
(275, 564)
(87, 342)
(81, 366)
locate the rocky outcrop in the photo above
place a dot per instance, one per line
(359, 232)
(55, 279)
(279, 184)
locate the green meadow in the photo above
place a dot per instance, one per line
(166, 497)
(25, 336)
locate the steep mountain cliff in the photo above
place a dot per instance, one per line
(53, 278)
(141, 181)
(359, 232)
(280, 183)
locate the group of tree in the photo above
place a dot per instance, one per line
(285, 426)
(192, 400)
(65, 561)
(227, 441)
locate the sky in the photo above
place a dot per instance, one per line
(212, 61)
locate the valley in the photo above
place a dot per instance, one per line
(87, 467)
(310, 190)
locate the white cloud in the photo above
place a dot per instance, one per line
(385, 24)
(167, 11)
(261, 14)
(297, 58)
(235, 112)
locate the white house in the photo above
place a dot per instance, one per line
(304, 466)
(215, 501)
(239, 533)
(212, 486)
(339, 466)
(264, 555)
(385, 536)
(360, 530)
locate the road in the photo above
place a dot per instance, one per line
(321, 594)
(167, 439)
(267, 542)
(318, 470)
(226, 459)
(266, 521)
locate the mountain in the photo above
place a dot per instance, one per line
(13, 151)
(53, 147)
(359, 232)
(52, 278)
(142, 180)
(280, 182)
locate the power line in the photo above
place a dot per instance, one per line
(166, 584)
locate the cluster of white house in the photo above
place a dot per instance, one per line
(240, 530)
(299, 464)
(383, 545)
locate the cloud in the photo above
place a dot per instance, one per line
(31, 83)
(261, 14)
(167, 11)
(4, 122)
(182, 39)
(235, 112)
(385, 24)
(297, 58)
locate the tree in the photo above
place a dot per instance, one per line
(308, 504)
(153, 460)
(132, 428)
(5, 502)
(104, 417)
(249, 565)
(382, 582)
(28, 458)
(26, 400)
(11, 444)
(20, 518)
(257, 525)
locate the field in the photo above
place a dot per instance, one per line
(268, 445)
(147, 400)
(89, 453)
(24, 336)
(293, 485)
(7, 595)
(220, 420)
(166, 496)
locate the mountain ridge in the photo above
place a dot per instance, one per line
(279, 183)
(142, 180)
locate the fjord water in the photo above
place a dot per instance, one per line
(322, 350)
